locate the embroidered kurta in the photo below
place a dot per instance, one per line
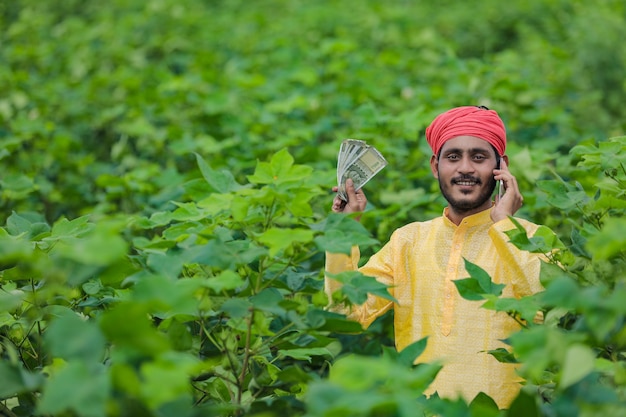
(420, 263)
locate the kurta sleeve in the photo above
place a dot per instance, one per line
(378, 266)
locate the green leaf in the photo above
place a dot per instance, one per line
(28, 225)
(470, 289)
(187, 212)
(543, 240)
(221, 181)
(280, 239)
(281, 162)
(607, 155)
(6, 319)
(263, 174)
(562, 292)
(503, 355)
(169, 264)
(323, 320)
(483, 278)
(226, 280)
(341, 233)
(300, 205)
(578, 244)
(294, 374)
(546, 240)
(268, 300)
(610, 241)
(280, 170)
(523, 405)
(64, 228)
(410, 353)
(92, 287)
(484, 406)
(369, 374)
(478, 285)
(167, 379)
(525, 307)
(178, 334)
(13, 250)
(101, 247)
(86, 399)
(600, 319)
(16, 380)
(304, 354)
(357, 286)
(165, 296)
(159, 218)
(237, 308)
(550, 272)
(226, 254)
(128, 327)
(343, 222)
(70, 337)
(17, 185)
(239, 207)
(579, 361)
(335, 241)
(562, 195)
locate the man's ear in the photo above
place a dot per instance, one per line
(434, 166)
(506, 159)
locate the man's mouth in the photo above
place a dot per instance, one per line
(466, 182)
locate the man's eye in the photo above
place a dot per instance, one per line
(453, 157)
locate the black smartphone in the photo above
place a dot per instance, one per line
(499, 185)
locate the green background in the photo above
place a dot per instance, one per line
(165, 180)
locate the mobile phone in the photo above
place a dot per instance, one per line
(499, 185)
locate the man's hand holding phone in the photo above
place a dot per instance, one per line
(509, 199)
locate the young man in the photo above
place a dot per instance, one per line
(422, 259)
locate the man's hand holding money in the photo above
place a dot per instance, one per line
(357, 201)
(357, 163)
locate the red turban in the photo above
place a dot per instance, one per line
(467, 121)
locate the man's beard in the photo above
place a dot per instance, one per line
(465, 205)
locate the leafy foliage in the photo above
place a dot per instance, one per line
(165, 169)
(575, 360)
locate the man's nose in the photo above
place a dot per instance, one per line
(466, 165)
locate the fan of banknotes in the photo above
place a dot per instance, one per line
(359, 161)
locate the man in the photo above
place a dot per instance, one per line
(422, 259)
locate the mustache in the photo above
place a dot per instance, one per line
(456, 180)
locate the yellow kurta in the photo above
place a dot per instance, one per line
(420, 262)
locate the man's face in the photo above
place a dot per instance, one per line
(465, 173)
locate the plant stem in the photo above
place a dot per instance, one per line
(246, 356)
(516, 317)
(5, 411)
(268, 217)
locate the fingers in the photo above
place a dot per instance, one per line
(509, 182)
(511, 199)
(338, 205)
(357, 201)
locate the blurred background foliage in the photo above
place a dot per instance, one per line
(103, 103)
(133, 183)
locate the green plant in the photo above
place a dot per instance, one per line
(574, 361)
(148, 248)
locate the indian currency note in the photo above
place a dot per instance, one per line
(361, 170)
(349, 152)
